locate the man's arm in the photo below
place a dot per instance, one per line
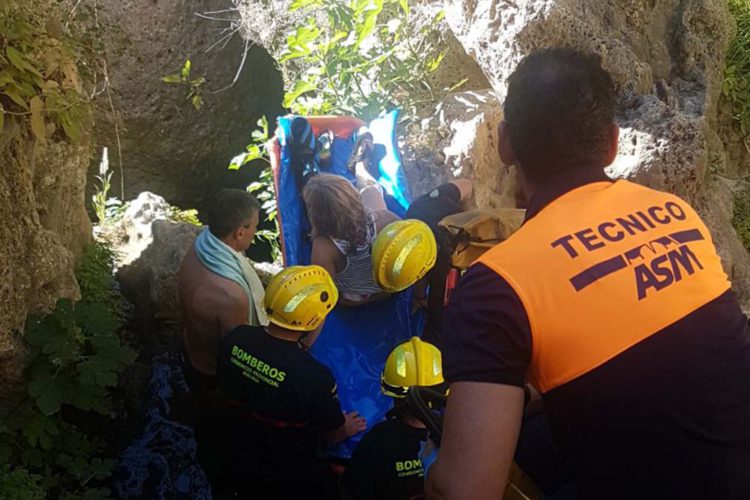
(480, 431)
(465, 188)
(486, 353)
(353, 424)
(334, 425)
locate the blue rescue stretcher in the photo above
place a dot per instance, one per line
(355, 341)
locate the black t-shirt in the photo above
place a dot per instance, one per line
(386, 465)
(666, 418)
(431, 208)
(281, 399)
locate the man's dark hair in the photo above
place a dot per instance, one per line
(558, 112)
(229, 209)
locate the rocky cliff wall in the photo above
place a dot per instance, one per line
(43, 228)
(666, 57)
(168, 146)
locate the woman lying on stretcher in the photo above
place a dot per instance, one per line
(346, 225)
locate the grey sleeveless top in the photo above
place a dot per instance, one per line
(356, 281)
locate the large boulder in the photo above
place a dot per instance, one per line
(149, 281)
(167, 145)
(459, 139)
(150, 248)
(666, 57)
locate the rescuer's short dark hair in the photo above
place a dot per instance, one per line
(229, 209)
(558, 112)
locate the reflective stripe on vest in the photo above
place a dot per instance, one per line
(602, 268)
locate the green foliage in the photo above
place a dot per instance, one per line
(263, 188)
(76, 358)
(189, 216)
(193, 85)
(741, 218)
(736, 85)
(366, 57)
(40, 89)
(360, 58)
(19, 484)
(106, 209)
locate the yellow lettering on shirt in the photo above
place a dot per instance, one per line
(407, 468)
(255, 369)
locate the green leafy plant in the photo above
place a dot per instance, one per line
(194, 85)
(76, 358)
(19, 484)
(736, 84)
(40, 90)
(189, 216)
(741, 217)
(263, 188)
(107, 209)
(356, 57)
(363, 58)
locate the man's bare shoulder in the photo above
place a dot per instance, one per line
(189, 267)
(204, 287)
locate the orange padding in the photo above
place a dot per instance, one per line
(341, 126)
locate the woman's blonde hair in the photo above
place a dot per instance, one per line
(335, 209)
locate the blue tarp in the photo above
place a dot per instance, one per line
(355, 341)
(392, 176)
(161, 463)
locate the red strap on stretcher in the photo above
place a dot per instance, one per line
(450, 283)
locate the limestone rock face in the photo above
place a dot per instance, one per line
(149, 281)
(460, 140)
(666, 57)
(132, 234)
(43, 228)
(150, 249)
(168, 146)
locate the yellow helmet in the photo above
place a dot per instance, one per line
(413, 363)
(300, 297)
(402, 254)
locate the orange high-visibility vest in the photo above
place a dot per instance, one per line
(602, 268)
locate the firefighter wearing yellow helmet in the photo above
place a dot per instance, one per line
(283, 401)
(386, 462)
(300, 297)
(413, 363)
(402, 253)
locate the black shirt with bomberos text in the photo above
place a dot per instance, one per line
(386, 465)
(281, 400)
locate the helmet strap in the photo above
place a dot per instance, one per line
(283, 335)
(301, 342)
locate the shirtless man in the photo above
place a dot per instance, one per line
(211, 304)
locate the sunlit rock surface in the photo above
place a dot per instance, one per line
(666, 57)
